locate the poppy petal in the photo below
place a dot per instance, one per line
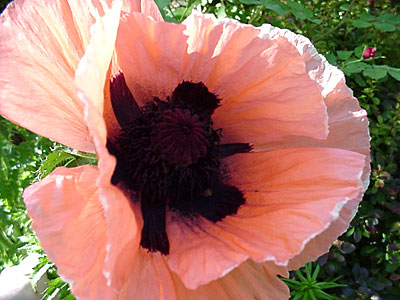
(348, 129)
(149, 279)
(249, 281)
(262, 82)
(278, 185)
(69, 221)
(323, 241)
(90, 75)
(348, 123)
(122, 229)
(41, 45)
(151, 55)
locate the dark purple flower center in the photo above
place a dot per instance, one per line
(168, 155)
(181, 136)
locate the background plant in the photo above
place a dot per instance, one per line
(364, 263)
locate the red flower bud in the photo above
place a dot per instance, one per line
(369, 52)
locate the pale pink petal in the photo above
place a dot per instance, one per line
(263, 83)
(348, 129)
(147, 7)
(41, 45)
(122, 229)
(68, 219)
(322, 242)
(300, 191)
(151, 279)
(151, 55)
(90, 75)
(348, 123)
(249, 281)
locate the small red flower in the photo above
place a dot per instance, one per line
(369, 52)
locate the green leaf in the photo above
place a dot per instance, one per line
(385, 26)
(291, 281)
(344, 55)
(394, 72)
(359, 51)
(276, 6)
(221, 13)
(328, 285)
(54, 160)
(375, 73)
(315, 274)
(316, 21)
(376, 100)
(360, 23)
(55, 282)
(162, 3)
(367, 17)
(302, 278)
(389, 18)
(295, 5)
(331, 58)
(38, 274)
(298, 296)
(322, 295)
(311, 294)
(251, 2)
(355, 68)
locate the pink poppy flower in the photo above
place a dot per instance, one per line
(228, 154)
(369, 52)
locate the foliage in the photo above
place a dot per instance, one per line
(367, 256)
(307, 287)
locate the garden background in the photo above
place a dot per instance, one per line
(364, 263)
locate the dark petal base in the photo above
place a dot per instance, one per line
(226, 150)
(154, 235)
(215, 204)
(169, 155)
(196, 97)
(124, 105)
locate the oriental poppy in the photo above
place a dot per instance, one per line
(228, 154)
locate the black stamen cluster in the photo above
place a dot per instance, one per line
(161, 182)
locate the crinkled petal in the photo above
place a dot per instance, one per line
(152, 279)
(68, 219)
(249, 281)
(323, 241)
(42, 43)
(122, 229)
(348, 129)
(151, 55)
(291, 196)
(147, 7)
(149, 279)
(262, 82)
(348, 123)
(90, 75)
